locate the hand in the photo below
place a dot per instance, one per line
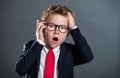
(71, 21)
(39, 30)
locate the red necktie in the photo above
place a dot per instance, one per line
(49, 67)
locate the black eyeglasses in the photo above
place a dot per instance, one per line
(52, 27)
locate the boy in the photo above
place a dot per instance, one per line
(57, 23)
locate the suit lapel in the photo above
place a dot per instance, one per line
(38, 64)
(62, 53)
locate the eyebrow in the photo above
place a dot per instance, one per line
(56, 24)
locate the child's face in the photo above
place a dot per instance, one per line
(55, 38)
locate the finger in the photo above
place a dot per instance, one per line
(37, 21)
(71, 21)
(39, 25)
(42, 28)
(41, 33)
(38, 28)
(70, 17)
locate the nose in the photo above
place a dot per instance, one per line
(56, 30)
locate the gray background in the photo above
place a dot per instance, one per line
(99, 21)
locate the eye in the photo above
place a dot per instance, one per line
(63, 27)
(51, 25)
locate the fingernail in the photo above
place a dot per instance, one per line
(37, 20)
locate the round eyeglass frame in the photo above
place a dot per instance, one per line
(55, 26)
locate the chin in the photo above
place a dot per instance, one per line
(54, 45)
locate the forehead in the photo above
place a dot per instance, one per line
(57, 19)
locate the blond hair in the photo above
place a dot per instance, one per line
(56, 9)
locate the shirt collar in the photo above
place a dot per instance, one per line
(55, 50)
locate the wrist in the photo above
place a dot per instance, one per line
(73, 27)
(41, 42)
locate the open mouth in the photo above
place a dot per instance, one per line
(55, 39)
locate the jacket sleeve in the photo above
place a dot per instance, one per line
(81, 50)
(31, 52)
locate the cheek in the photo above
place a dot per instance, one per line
(63, 37)
(48, 35)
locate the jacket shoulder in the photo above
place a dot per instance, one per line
(28, 44)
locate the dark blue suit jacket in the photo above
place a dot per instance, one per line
(70, 55)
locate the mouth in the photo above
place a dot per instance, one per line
(55, 39)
